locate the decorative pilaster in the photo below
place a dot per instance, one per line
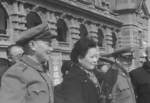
(74, 30)
(118, 34)
(15, 19)
(108, 39)
(93, 32)
(51, 19)
(22, 17)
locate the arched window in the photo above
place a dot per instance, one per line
(100, 38)
(62, 30)
(83, 31)
(3, 20)
(114, 40)
(33, 19)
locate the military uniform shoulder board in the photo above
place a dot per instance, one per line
(22, 66)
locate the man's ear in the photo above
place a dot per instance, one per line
(32, 45)
(117, 60)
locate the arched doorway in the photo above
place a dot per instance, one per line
(3, 20)
(33, 19)
(83, 31)
(62, 30)
(114, 41)
(100, 38)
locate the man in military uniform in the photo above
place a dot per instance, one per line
(122, 91)
(140, 78)
(28, 81)
(14, 52)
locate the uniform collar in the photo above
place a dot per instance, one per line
(31, 63)
(122, 73)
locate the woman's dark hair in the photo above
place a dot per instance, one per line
(80, 48)
(66, 66)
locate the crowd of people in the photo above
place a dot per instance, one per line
(88, 77)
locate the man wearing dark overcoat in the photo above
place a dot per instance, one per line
(28, 81)
(140, 78)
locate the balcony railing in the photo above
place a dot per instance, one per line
(4, 40)
(64, 44)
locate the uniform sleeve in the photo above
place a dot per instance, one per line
(72, 91)
(13, 87)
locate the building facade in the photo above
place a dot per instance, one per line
(134, 31)
(108, 23)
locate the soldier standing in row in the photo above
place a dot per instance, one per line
(120, 90)
(28, 81)
(123, 91)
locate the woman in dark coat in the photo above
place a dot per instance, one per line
(58, 95)
(80, 85)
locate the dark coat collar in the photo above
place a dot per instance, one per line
(82, 75)
(78, 71)
(31, 63)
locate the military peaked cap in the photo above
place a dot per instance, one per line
(120, 52)
(41, 31)
(107, 60)
(123, 52)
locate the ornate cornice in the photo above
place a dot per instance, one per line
(100, 17)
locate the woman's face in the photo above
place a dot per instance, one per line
(90, 60)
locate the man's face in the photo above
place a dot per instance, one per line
(125, 62)
(43, 50)
(15, 54)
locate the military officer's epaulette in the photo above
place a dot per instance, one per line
(22, 66)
